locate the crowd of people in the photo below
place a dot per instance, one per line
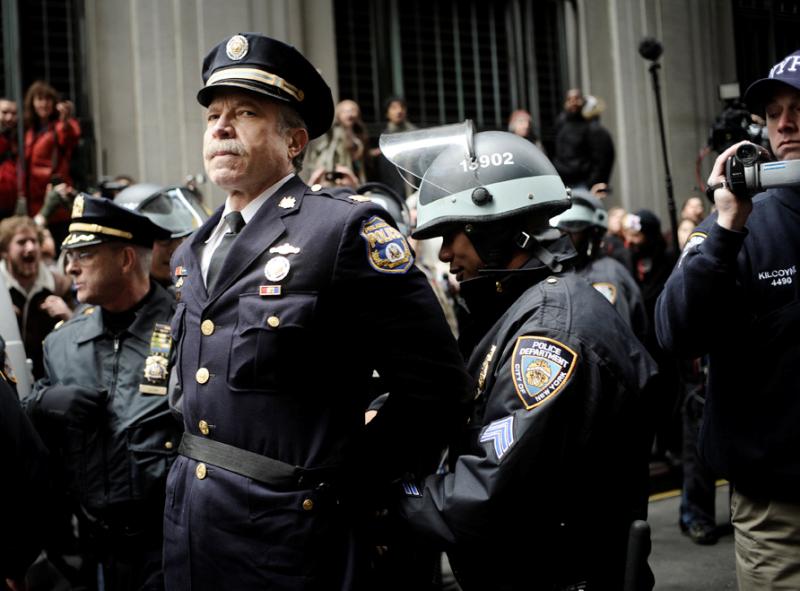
(176, 436)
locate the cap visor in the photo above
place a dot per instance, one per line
(206, 94)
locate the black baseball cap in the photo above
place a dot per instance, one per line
(785, 73)
(96, 220)
(269, 67)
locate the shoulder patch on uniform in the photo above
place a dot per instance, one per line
(387, 249)
(607, 290)
(695, 238)
(501, 434)
(540, 368)
(410, 489)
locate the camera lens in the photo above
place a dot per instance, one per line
(747, 154)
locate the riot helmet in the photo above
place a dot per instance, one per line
(173, 208)
(586, 211)
(388, 198)
(496, 186)
(586, 222)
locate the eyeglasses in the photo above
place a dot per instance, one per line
(81, 258)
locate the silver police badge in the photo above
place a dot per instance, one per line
(277, 268)
(237, 47)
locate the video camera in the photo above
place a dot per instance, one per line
(748, 172)
(733, 124)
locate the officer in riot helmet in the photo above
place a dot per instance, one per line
(586, 223)
(391, 201)
(557, 377)
(169, 208)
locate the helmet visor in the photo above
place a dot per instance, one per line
(412, 152)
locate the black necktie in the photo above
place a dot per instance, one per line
(235, 223)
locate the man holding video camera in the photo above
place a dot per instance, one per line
(734, 296)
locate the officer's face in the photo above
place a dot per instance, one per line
(783, 124)
(458, 250)
(95, 271)
(23, 254)
(243, 148)
(162, 252)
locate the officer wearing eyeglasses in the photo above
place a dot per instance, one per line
(103, 402)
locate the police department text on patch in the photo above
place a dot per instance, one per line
(541, 368)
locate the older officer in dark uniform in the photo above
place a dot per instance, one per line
(558, 382)
(103, 399)
(288, 300)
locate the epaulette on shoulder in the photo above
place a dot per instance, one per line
(78, 316)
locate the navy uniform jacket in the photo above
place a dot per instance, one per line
(556, 454)
(614, 281)
(282, 368)
(734, 296)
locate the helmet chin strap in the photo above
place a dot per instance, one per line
(495, 246)
(527, 242)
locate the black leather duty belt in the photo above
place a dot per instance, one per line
(247, 463)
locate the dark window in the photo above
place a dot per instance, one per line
(452, 59)
(765, 32)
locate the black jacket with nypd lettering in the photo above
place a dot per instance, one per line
(734, 296)
(282, 366)
(553, 468)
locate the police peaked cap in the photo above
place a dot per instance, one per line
(268, 67)
(96, 220)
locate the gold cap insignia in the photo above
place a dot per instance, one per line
(287, 202)
(77, 207)
(237, 47)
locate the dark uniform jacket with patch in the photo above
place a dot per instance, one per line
(553, 468)
(118, 469)
(734, 295)
(282, 368)
(612, 279)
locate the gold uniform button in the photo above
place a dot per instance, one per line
(551, 280)
(308, 504)
(316, 187)
(207, 327)
(203, 425)
(168, 445)
(202, 375)
(200, 471)
(274, 321)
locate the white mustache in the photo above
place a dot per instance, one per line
(231, 146)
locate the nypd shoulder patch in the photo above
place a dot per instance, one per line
(387, 249)
(501, 434)
(540, 369)
(607, 290)
(695, 238)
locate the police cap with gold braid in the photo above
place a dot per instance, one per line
(268, 67)
(96, 220)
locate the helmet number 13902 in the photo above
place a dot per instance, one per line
(485, 160)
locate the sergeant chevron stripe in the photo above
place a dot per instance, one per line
(501, 433)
